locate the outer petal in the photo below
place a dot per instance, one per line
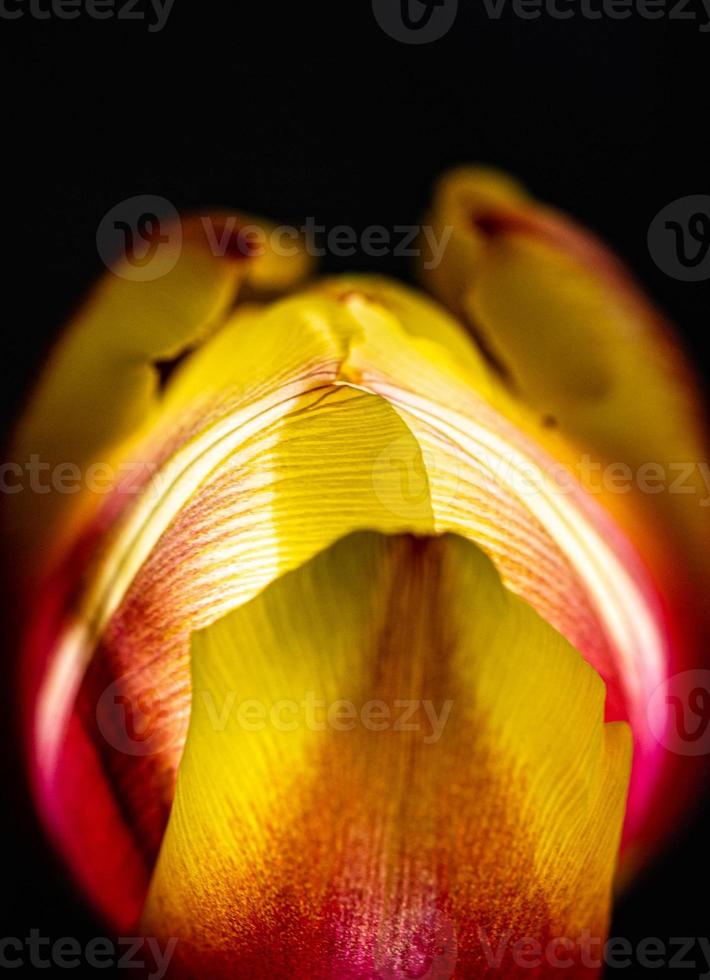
(347, 840)
(100, 388)
(575, 337)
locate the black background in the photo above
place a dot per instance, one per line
(291, 110)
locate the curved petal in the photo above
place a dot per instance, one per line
(391, 761)
(573, 337)
(552, 543)
(100, 387)
(288, 491)
(576, 339)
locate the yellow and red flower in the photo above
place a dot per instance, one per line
(355, 497)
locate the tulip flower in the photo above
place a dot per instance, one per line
(337, 664)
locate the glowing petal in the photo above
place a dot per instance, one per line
(330, 842)
(326, 414)
(282, 494)
(552, 544)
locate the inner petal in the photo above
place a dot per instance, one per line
(391, 761)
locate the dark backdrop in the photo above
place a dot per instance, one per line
(290, 110)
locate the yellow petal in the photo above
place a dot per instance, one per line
(576, 340)
(419, 317)
(490, 482)
(101, 384)
(318, 832)
(248, 497)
